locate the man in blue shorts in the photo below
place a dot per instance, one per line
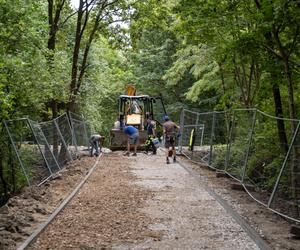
(133, 136)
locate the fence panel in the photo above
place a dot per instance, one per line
(80, 130)
(45, 147)
(65, 128)
(27, 153)
(42, 149)
(201, 125)
(220, 137)
(56, 142)
(239, 142)
(258, 150)
(285, 197)
(266, 155)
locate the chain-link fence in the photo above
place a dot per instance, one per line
(42, 149)
(258, 150)
(81, 130)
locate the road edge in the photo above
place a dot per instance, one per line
(259, 241)
(45, 224)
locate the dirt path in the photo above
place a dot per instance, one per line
(105, 211)
(142, 203)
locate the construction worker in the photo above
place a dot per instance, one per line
(95, 142)
(169, 131)
(150, 126)
(133, 136)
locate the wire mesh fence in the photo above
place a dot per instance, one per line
(81, 130)
(200, 126)
(220, 135)
(41, 149)
(260, 151)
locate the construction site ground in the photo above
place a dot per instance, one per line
(140, 203)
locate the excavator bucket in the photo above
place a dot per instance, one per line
(130, 90)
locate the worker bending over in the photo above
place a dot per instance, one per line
(169, 130)
(133, 136)
(95, 142)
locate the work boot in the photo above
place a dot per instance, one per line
(168, 162)
(174, 159)
(134, 154)
(126, 154)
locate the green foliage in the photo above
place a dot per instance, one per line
(219, 156)
(22, 38)
(197, 62)
(200, 55)
(99, 94)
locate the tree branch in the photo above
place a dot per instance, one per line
(67, 18)
(294, 41)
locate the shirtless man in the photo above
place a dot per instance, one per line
(169, 130)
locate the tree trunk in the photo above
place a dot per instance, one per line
(277, 99)
(53, 19)
(272, 39)
(295, 182)
(78, 36)
(12, 167)
(280, 123)
(3, 188)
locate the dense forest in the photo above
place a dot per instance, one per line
(201, 55)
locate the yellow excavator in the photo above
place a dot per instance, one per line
(134, 110)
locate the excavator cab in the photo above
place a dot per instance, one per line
(133, 110)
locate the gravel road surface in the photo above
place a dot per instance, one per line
(142, 203)
(186, 214)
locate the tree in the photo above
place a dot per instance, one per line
(104, 13)
(23, 73)
(105, 80)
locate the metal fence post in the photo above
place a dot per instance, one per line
(212, 137)
(17, 153)
(86, 135)
(231, 126)
(249, 145)
(283, 165)
(202, 134)
(181, 128)
(196, 125)
(74, 142)
(62, 139)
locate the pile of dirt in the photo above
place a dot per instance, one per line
(23, 213)
(272, 227)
